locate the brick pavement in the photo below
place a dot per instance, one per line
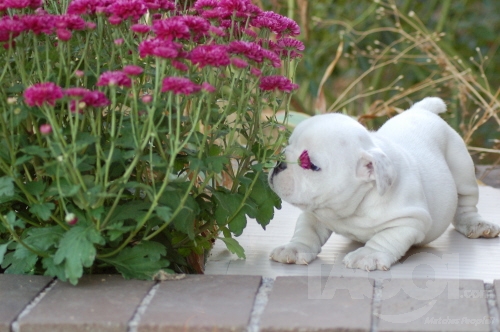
(247, 303)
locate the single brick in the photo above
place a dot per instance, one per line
(433, 305)
(319, 304)
(98, 303)
(16, 292)
(202, 303)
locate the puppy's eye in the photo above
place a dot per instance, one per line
(305, 162)
(314, 167)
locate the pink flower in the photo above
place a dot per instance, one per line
(76, 92)
(209, 55)
(172, 28)
(45, 129)
(63, 34)
(70, 22)
(288, 47)
(125, 9)
(132, 70)
(304, 160)
(180, 65)
(239, 63)
(197, 25)
(281, 25)
(39, 23)
(114, 20)
(255, 72)
(111, 78)
(41, 93)
(91, 25)
(179, 85)
(207, 87)
(19, 4)
(250, 50)
(146, 99)
(159, 47)
(10, 27)
(202, 5)
(159, 4)
(95, 99)
(217, 31)
(268, 83)
(79, 73)
(118, 41)
(140, 28)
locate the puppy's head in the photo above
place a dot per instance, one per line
(328, 158)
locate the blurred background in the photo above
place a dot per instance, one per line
(372, 59)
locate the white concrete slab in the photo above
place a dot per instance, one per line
(450, 256)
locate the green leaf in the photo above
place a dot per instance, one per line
(13, 221)
(238, 223)
(44, 238)
(42, 210)
(3, 250)
(77, 250)
(140, 262)
(164, 213)
(6, 186)
(35, 188)
(52, 269)
(36, 150)
(233, 246)
(20, 261)
(135, 210)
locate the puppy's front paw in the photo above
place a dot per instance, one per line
(369, 259)
(478, 228)
(293, 253)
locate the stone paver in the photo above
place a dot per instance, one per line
(433, 305)
(97, 303)
(496, 285)
(201, 303)
(16, 292)
(319, 304)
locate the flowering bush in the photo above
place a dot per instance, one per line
(132, 131)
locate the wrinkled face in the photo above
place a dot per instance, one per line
(320, 161)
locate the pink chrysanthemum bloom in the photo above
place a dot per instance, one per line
(39, 23)
(268, 83)
(132, 70)
(273, 57)
(159, 4)
(116, 78)
(179, 65)
(179, 85)
(10, 27)
(140, 28)
(250, 50)
(42, 93)
(126, 9)
(240, 8)
(172, 28)
(96, 99)
(288, 47)
(90, 25)
(76, 92)
(115, 20)
(80, 7)
(217, 31)
(255, 72)
(201, 5)
(281, 25)
(159, 47)
(304, 160)
(19, 4)
(209, 55)
(197, 25)
(207, 87)
(239, 63)
(63, 34)
(45, 129)
(70, 22)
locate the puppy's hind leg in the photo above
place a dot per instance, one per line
(467, 219)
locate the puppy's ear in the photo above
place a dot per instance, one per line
(374, 165)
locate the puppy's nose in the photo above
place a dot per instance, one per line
(280, 167)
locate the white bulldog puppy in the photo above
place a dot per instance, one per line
(391, 189)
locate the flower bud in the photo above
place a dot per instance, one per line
(45, 129)
(71, 219)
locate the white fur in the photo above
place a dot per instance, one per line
(391, 189)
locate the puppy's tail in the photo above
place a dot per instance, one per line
(432, 104)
